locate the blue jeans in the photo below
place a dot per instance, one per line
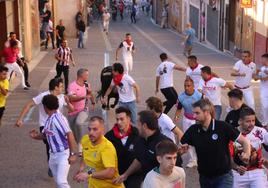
(223, 181)
(43, 33)
(218, 111)
(133, 109)
(80, 39)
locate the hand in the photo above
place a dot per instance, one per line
(80, 177)
(244, 157)
(183, 149)
(66, 98)
(34, 134)
(72, 159)
(156, 91)
(19, 123)
(138, 100)
(176, 119)
(242, 74)
(73, 63)
(241, 170)
(120, 179)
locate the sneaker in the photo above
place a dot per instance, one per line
(191, 164)
(50, 173)
(26, 88)
(27, 84)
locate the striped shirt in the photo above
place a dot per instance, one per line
(55, 130)
(64, 53)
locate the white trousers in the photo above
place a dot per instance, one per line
(186, 123)
(264, 106)
(249, 97)
(16, 68)
(59, 165)
(251, 179)
(128, 64)
(106, 25)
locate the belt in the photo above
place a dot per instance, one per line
(241, 87)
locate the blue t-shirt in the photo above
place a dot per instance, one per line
(186, 101)
(190, 32)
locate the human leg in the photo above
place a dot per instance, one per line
(66, 77)
(249, 97)
(171, 97)
(62, 171)
(19, 71)
(218, 111)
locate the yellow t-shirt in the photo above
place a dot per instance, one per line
(5, 85)
(98, 158)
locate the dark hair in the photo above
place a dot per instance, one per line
(189, 79)
(97, 118)
(11, 33)
(206, 69)
(51, 102)
(13, 43)
(150, 118)
(122, 109)
(192, 57)
(236, 93)
(128, 34)
(165, 147)
(247, 52)
(265, 56)
(55, 82)
(155, 104)
(163, 56)
(246, 111)
(3, 68)
(118, 67)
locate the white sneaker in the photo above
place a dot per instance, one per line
(191, 164)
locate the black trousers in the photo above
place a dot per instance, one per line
(133, 17)
(46, 143)
(171, 98)
(25, 69)
(58, 41)
(65, 70)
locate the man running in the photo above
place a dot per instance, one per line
(189, 36)
(106, 20)
(194, 70)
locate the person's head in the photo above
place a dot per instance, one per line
(12, 35)
(118, 69)
(56, 85)
(247, 119)
(13, 43)
(123, 118)
(192, 61)
(95, 129)
(189, 86)
(3, 72)
(82, 74)
(147, 123)
(206, 72)
(166, 155)
(64, 43)
(203, 110)
(155, 104)
(61, 22)
(163, 57)
(128, 37)
(189, 25)
(264, 59)
(246, 56)
(235, 98)
(50, 103)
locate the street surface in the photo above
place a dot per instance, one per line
(23, 160)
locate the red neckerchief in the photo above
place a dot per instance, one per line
(128, 42)
(246, 63)
(117, 79)
(209, 78)
(193, 68)
(117, 133)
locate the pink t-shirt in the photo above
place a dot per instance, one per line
(10, 54)
(77, 90)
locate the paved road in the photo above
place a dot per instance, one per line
(23, 161)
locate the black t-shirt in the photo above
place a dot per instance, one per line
(233, 117)
(47, 17)
(125, 153)
(61, 30)
(211, 147)
(145, 152)
(81, 26)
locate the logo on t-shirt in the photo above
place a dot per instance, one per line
(163, 71)
(215, 136)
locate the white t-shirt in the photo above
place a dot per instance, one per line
(155, 180)
(195, 74)
(166, 126)
(42, 114)
(249, 70)
(264, 84)
(212, 89)
(127, 49)
(106, 17)
(125, 89)
(165, 72)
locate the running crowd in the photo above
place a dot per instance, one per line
(144, 149)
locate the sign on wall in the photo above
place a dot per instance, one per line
(246, 3)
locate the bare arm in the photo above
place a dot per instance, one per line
(177, 115)
(178, 67)
(229, 85)
(157, 84)
(178, 132)
(107, 173)
(137, 92)
(3, 91)
(116, 53)
(74, 98)
(24, 111)
(72, 147)
(246, 148)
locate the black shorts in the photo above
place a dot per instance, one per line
(2, 109)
